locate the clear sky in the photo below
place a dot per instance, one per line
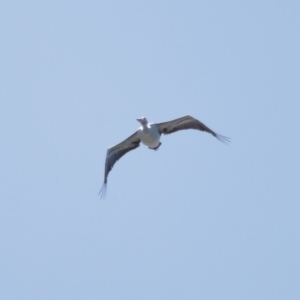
(196, 219)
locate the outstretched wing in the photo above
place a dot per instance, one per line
(114, 153)
(188, 122)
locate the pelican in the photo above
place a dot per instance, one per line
(149, 134)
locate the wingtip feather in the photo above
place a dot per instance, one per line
(102, 192)
(224, 139)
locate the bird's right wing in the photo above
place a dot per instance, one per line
(114, 153)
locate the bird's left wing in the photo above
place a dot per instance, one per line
(114, 153)
(188, 122)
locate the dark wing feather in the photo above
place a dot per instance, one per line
(114, 153)
(188, 122)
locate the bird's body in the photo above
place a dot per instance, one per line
(149, 134)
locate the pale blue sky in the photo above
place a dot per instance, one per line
(194, 220)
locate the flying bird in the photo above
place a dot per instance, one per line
(149, 134)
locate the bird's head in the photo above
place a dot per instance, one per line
(142, 120)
